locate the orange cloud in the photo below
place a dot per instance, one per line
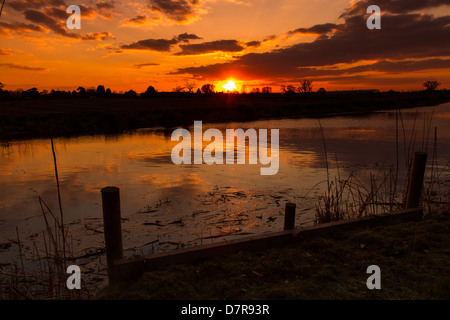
(5, 52)
(21, 67)
(19, 28)
(103, 5)
(141, 65)
(179, 11)
(139, 20)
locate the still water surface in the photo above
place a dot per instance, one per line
(165, 206)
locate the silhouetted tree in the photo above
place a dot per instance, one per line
(267, 90)
(81, 91)
(91, 91)
(3, 93)
(289, 89)
(31, 93)
(60, 94)
(17, 92)
(255, 90)
(130, 94)
(321, 90)
(305, 86)
(108, 92)
(190, 86)
(208, 88)
(100, 92)
(178, 89)
(431, 85)
(150, 91)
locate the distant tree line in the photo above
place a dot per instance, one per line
(304, 87)
(80, 92)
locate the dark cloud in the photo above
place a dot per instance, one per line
(53, 8)
(20, 27)
(87, 12)
(396, 6)
(253, 43)
(161, 45)
(56, 12)
(271, 37)
(21, 67)
(141, 65)
(403, 36)
(22, 5)
(61, 13)
(209, 47)
(384, 66)
(58, 24)
(402, 66)
(175, 10)
(319, 29)
(46, 20)
(138, 20)
(103, 5)
(375, 82)
(185, 37)
(105, 8)
(96, 36)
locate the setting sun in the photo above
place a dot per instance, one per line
(230, 86)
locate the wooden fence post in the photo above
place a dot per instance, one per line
(112, 228)
(289, 216)
(416, 180)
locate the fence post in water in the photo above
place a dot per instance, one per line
(112, 228)
(416, 180)
(289, 216)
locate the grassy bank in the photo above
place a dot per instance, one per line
(414, 258)
(47, 116)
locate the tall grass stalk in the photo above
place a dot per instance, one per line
(44, 276)
(47, 279)
(351, 198)
(59, 199)
(1, 9)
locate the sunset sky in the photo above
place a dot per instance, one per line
(164, 43)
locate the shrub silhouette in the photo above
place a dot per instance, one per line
(431, 85)
(208, 88)
(100, 92)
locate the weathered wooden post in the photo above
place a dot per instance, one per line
(289, 216)
(112, 228)
(416, 180)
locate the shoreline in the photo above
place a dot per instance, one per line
(45, 117)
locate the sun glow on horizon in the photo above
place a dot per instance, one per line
(230, 86)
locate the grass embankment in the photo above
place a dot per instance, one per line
(414, 258)
(47, 116)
